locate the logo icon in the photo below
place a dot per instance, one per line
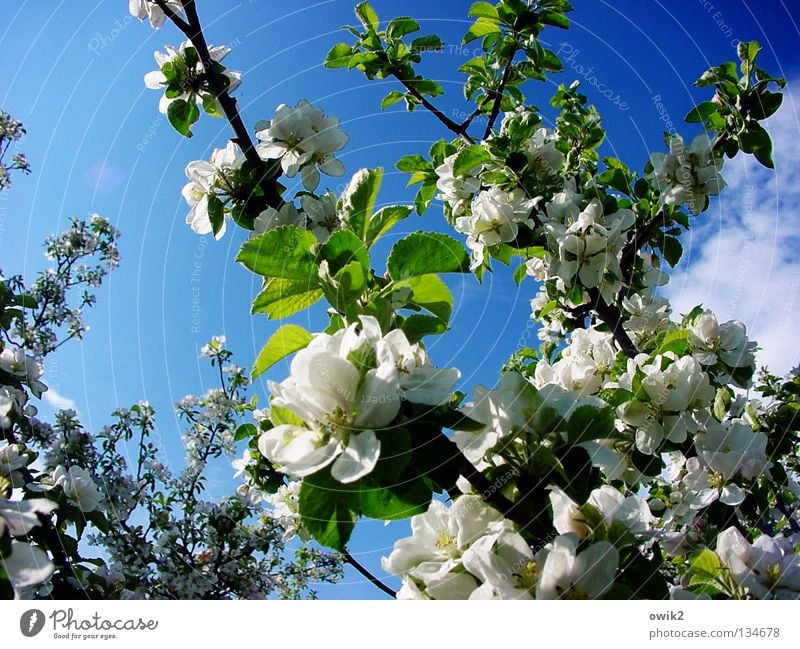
(31, 622)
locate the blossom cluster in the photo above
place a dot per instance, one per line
(343, 388)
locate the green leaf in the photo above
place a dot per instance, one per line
(722, 402)
(615, 396)
(339, 56)
(702, 112)
(396, 502)
(426, 44)
(429, 292)
(281, 297)
(483, 10)
(211, 105)
(286, 340)
(283, 252)
(422, 253)
(216, 213)
(468, 158)
(366, 14)
(672, 250)
(358, 200)
(705, 563)
(392, 98)
(554, 18)
(400, 26)
(348, 286)
(182, 114)
(395, 456)
(767, 103)
(588, 423)
(674, 341)
(384, 219)
(520, 273)
(416, 327)
(341, 248)
(412, 163)
(424, 197)
(482, 27)
(245, 431)
(757, 141)
(280, 416)
(328, 509)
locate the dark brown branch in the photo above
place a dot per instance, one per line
(613, 317)
(498, 98)
(354, 562)
(193, 30)
(458, 129)
(640, 238)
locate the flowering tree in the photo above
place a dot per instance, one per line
(626, 457)
(66, 495)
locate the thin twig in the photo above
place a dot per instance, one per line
(193, 30)
(613, 317)
(498, 99)
(458, 129)
(377, 582)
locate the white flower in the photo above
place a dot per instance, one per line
(271, 218)
(26, 566)
(157, 80)
(149, 10)
(418, 379)
(78, 486)
(302, 138)
(504, 562)
(11, 460)
(707, 486)
(321, 214)
(674, 393)
(584, 364)
(687, 176)
(11, 399)
(731, 448)
(566, 574)
(726, 342)
(589, 247)
(29, 369)
(631, 512)
(18, 517)
(286, 509)
(542, 154)
(495, 216)
(206, 179)
(457, 192)
(648, 314)
(503, 411)
(769, 568)
(433, 558)
(344, 386)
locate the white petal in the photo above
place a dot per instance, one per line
(358, 458)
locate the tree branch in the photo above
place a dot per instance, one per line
(458, 129)
(498, 98)
(193, 30)
(354, 562)
(613, 317)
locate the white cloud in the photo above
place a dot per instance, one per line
(742, 258)
(58, 401)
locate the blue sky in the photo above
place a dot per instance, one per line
(73, 73)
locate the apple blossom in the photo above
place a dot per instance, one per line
(193, 85)
(304, 140)
(149, 10)
(687, 175)
(566, 573)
